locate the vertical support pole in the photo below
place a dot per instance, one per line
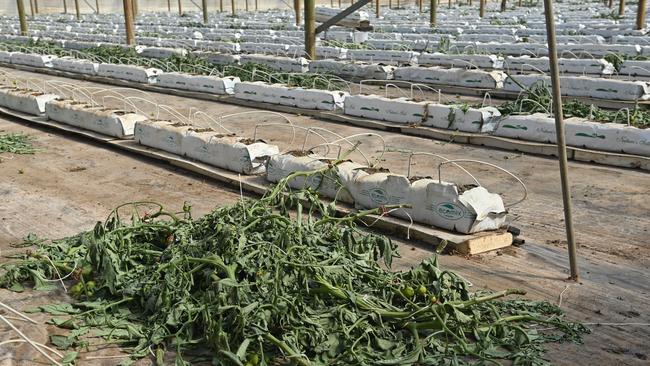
(449, 5)
(21, 17)
(65, 7)
(255, 5)
(503, 5)
(204, 5)
(420, 6)
(339, 3)
(310, 29)
(621, 7)
(559, 131)
(232, 7)
(432, 13)
(169, 6)
(180, 8)
(36, 6)
(390, 4)
(610, 4)
(76, 9)
(481, 12)
(135, 8)
(31, 8)
(519, 5)
(128, 22)
(640, 15)
(246, 6)
(397, 4)
(221, 6)
(296, 8)
(377, 9)
(97, 6)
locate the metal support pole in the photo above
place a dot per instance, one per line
(36, 6)
(180, 8)
(204, 5)
(559, 131)
(482, 8)
(432, 12)
(21, 17)
(640, 15)
(376, 8)
(76, 8)
(621, 7)
(310, 29)
(232, 7)
(296, 8)
(65, 7)
(503, 5)
(128, 22)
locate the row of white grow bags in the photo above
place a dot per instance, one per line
(438, 203)
(615, 137)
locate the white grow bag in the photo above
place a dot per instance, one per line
(109, 122)
(74, 65)
(129, 72)
(635, 68)
(222, 59)
(565, 65)
(163, 135)
(455, 76)
(384, 57)
(228, 152)
(327, 184)
(434, 203)
(5, 57)
(199, 83)
(31, 59)
(318, 99)
(400, 110)
(26, 101)
(162, 52)
(456, 117)
(533, 127)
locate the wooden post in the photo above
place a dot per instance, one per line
(640, 15)
(97, 6)
(31, 8)
(135, 8)
(65, 7)
(611, 4)
(420, 6)
(180, 8)
(169, 6)
(432, 13)
(621, 7)
(128, 22)
(36, 6)
(397, 4)
(376, 8)
(390, 4)
(296, 8)
(482, 8)
(76, 8)
(519, 5)
(204, 5)
(232, 6)
(255, 5)
(503, 5)
(310, 29)
(339, 3)
(221, 6)
(560, 137)
(449, 4)
(246, 6)
(21, 16)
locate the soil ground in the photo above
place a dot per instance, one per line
(71, 183)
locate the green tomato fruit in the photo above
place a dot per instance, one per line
(408, 292)
(422, 290)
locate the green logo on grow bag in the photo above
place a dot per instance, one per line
(608, 90)
(590, 135)
(378, 195)
(369, 109)
(516, 127)
(450, 211)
